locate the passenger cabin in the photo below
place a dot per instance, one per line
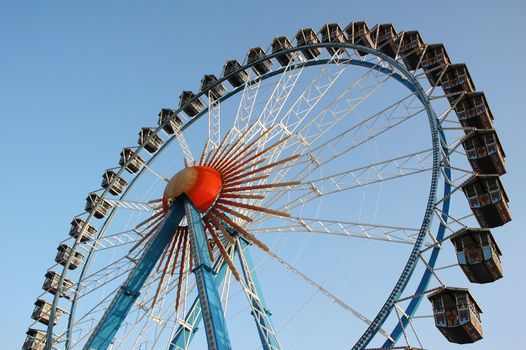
(169, 120)
(118, 186)
(35, 340)
(434, 62)
(135, 162)
(51, 284)
(307, 36)
(76, 228)
(154, 144)
(42, 312)
(487, 200)
(99, 211)
(385, 39)
(191, 105)
(456, 80)
(333, 33)
(255, 54)
(63, 252)
(484, 152)
(478, 254)
(235, 79)
(411, 48)
(457, 315)
(473, 111)
(359, 34)
(279, 44)
(216, 91)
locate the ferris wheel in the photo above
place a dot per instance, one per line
(304, 194)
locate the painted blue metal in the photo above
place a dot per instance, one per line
(210, 302)
(267, 335)
(115, 314)
(244, 245)
(412, 261)
(184, 334)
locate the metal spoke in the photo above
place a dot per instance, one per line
(324, 291)
(261, 316)
(393, 234)
(402, 166)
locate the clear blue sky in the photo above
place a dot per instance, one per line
(77, 80)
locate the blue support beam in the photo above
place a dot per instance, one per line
(184, 334)
(210, 302)
(123, 301)
(267, 335)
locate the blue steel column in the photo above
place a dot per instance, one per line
(267, 335)
(115, 314)
(184, 334)
(210, 302)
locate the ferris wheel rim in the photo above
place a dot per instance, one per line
(404, 80)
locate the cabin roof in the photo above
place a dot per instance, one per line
(439, 45)
(383, 25)
(479, 93)
(33, 331)
(412, 32)
(447, 290)
(476, 178)
(305, 30)
(280, 40)
(455, 66)
(468, 231)
(326, 27)
(479, 132)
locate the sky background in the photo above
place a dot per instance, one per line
(77, 80)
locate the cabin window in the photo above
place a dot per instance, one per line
(472, 196)
(494, 190)
(491, 143)
(484, 239)
(461, 110)
(480, 107)
(459, 245)
(438, 305)
(474, 255)
(462, 300)
(471, 151)
(452, 318)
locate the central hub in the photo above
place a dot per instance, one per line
(201, 184)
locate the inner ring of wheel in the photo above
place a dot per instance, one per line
(438, 143)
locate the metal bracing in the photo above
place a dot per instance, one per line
(246, 107)
(342, 143)
(267, 335)
(188, 157)
(214, 121)
(213, 317)
(187, 328)
(392, 234)
(402, 166)
(133, 205)
(280, 95)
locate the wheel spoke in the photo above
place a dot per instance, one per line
(324, 291)
(394, 234)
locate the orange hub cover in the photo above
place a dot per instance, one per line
(201, 184)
